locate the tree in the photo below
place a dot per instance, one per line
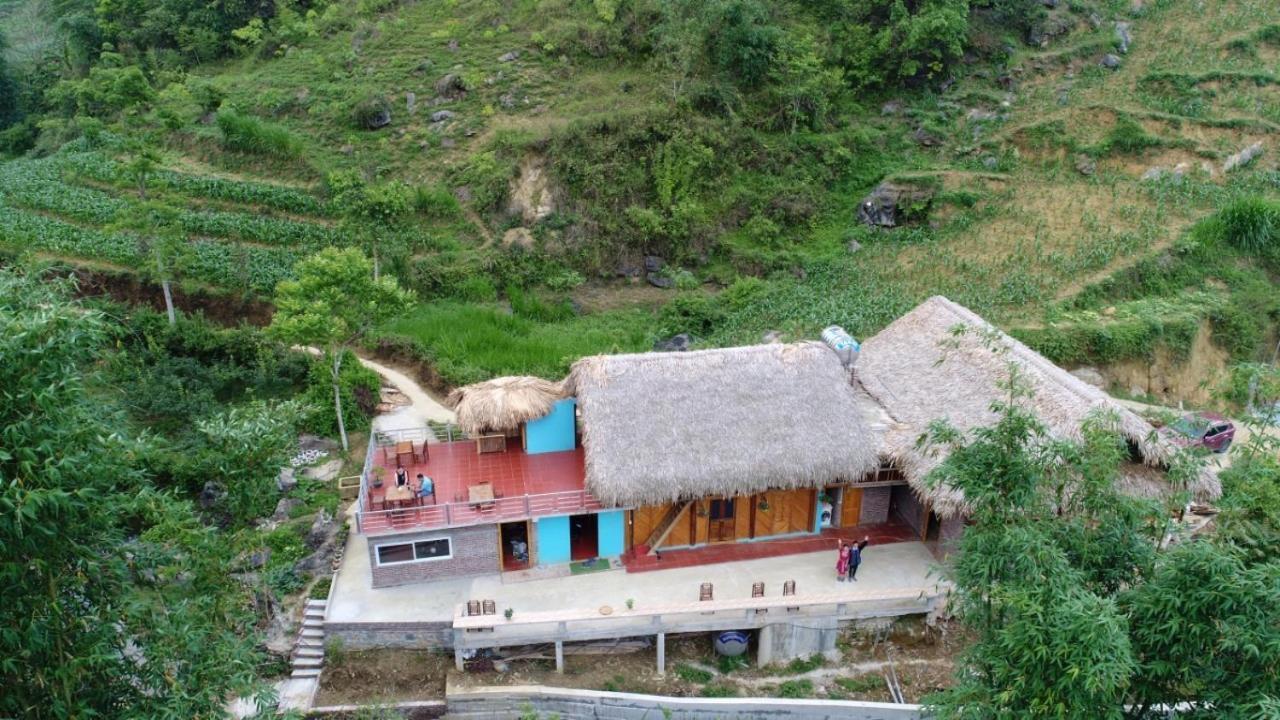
(244, 448)
(1206, 631)
(164, 239)
(331, 304)
(373, 214)
(114, 600)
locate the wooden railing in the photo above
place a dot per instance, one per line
(460, 514)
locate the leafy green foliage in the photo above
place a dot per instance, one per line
(248, 134)
(1252, 224)
(691, 674)
(243, 449)
(122, 605)
(358, 387)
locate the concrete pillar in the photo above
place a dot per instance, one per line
(662, 653)
(785, 641)
(764, 646)
(560, 656)
(457, 658)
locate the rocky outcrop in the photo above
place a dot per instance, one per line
(892, 204)
(533, 196)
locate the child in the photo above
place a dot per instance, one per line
(855, 558)
(842, 562)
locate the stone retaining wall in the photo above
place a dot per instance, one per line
(502, 703)
(370, 636)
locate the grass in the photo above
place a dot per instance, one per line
(691, 674)
(469, 342)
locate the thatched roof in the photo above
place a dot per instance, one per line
(503, 403)
(665, 427)
(920, 370)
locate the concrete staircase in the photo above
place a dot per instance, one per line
(308, 653)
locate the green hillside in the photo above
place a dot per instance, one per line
(537, 152)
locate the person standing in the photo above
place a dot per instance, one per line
(855, 558)
(842, 561)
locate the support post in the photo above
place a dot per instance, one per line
(457, 658)
(560, 656)
(662, 653)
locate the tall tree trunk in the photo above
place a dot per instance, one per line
(337, 396)
(376, 265)
(168, 292)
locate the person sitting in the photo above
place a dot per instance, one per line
(402, 477)
(425, 486)
(519, 551)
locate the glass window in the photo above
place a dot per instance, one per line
(394, 553)
(427, 549)
(722, 509)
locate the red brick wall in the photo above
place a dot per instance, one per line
(475, 552)
(875, 505)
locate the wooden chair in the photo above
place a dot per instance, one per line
(757, 590)
(473, 607)
(789, 589)
(704, 592)
(490, 607)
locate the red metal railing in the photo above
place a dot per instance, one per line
(459, 514)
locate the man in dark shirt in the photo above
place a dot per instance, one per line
(855, 558)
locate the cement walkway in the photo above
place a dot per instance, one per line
(422, 405)
(885, 567)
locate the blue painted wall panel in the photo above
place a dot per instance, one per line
(553, 540)
(611, 539)
(553, 432)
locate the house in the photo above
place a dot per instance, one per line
(713, 454)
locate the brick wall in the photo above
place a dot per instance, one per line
(475, 552)
(949, 536)
(875, 505)
(907, 506)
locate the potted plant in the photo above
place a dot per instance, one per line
(376, 480)
(631, 604)
(508, 613)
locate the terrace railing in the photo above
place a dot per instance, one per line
(460, 514)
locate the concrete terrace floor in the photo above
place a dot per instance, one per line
(885, 567)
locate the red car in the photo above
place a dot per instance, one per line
(1207, 430)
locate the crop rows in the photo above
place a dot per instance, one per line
(36, 185)
(228, 265)
(104, 169)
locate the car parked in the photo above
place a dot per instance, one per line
(1207, 430)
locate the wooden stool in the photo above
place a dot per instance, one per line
(473, 607)
(490, 607)
(704, 592)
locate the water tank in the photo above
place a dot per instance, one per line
(845, 347)
(731, 643)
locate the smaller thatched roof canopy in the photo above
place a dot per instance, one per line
(667, 427)
(920, 370)
(503, 403)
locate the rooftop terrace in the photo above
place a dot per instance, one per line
(468, 487)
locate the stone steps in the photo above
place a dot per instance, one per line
(308, 652)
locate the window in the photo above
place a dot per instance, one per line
(722, 509)
(432, 549)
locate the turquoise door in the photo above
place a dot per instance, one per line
(611, 541)
(553, 540)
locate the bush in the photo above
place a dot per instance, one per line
(371, 112)
(527, 304)
(694, 312)
(320, 591)
(1252, 225)
(359, 387)
(692, 674)
(436, 203)
(248, 134)
(795, 689)
(476, 288)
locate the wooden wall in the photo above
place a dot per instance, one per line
(789, 511)
(851, 510)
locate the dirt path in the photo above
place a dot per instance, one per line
(422, 406)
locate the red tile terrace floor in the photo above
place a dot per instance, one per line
(890, 532)
(552, 482)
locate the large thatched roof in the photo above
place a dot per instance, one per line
(921, 369)
(502, 403)
(664, 427)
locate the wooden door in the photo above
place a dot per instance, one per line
(851, 507)
(721, 520)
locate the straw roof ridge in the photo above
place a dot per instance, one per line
(666, 427)
(920, 370)
(503, 403)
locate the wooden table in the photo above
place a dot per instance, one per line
(480, 494)
(405, 447)
(399, 494)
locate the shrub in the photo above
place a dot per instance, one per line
(1129, 137)
(360, 388)
(1252, 225)
(476, 288)
(795, 689)
(692, 674)
(694, 312)
(371, 111)
(248, 134)
(436, 203)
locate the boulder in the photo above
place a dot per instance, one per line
(451, 85)
(892, 204)
(1123, 38)
(508, 57)
(1091, 376)
(980, 115)
(532, 193)
(347, 149)
(771, 337)
(893, 107)
(1085, 165)
(1242, 158)
(1095, 20)
(675, 343)
(284, 508)
(321, 530)
(286, 480)
(1154, 173)
(378, 119)
(442, 116)
(453, 46)
(210, 494)
(410, 102)
(925, 137)
(1110, 61)
(319, 444)
(659, 281)
(652, 263)
(507, 101)
(325, 471)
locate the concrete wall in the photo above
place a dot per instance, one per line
(875, 505)
(553, 540)
(908, 506)
(612, 535)
(475, 552)
(553, 432)
(366, 636)
(494, 703)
